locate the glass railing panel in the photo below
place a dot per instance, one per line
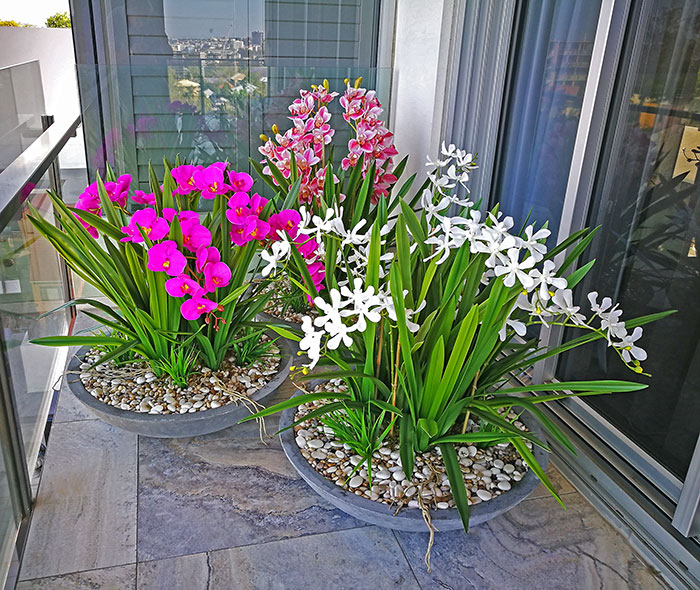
(201, 110)
(21, 107)
(31, 284)
(9, 520)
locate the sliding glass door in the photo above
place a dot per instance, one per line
(647, 200)
(601, 127)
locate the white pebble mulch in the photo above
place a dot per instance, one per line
(488, 472)
(136, 388)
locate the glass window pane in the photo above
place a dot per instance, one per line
(543, 109)
(21, 107)
(9, 521)
(646, 201)
(31, 284)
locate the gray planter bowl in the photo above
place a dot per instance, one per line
(263, 316)
(408, 519)
(177, 425)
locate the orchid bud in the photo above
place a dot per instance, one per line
(325, 84)
(358, 82)
(207, 319)
(264, 137)
(220, 308)
(346, 81)
(275, 129)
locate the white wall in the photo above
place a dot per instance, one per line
(421, 61)
(54, 50)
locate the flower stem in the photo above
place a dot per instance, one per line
(466, 416)
(396, 380)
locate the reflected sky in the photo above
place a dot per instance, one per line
(213, 18)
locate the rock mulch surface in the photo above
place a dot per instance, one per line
(136, 388)
(277, 305)
(488, 472)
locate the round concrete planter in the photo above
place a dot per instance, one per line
(408, 519)
(268, 319)
(178, 425)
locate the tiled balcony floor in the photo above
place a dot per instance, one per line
(224, 511)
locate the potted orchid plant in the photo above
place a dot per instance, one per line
(300, 166)
(420, 417)
(179, 334)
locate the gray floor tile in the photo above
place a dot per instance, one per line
(537, 545)
(360, 558)
(112, 578)
(69, 408)
(560, 483)
(188, 572)
(85, 513)
(223, 490)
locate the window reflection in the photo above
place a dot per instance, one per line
(647, 202)
(549, 78)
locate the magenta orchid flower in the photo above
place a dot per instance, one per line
(94, 234)
(240, 181)
(307, 246)
(238, 235)
(286, 220)
(256, 229)
(216, 275)
(169, 214)
(194, 308)
(210, 181)
(143, 198)
(206, 255)
(194, 234)
(183, 176)
(89, 202)
(238, 210)
(181, 286)
(257, 204)
(116, 191)
(165, 257)
(155, 228)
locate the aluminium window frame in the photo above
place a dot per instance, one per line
(650, 505)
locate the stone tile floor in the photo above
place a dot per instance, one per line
(225, 511)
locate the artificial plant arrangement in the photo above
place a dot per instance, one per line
(182, 331)
(423, 336)
(308, 173)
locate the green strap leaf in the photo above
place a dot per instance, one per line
(457, 484)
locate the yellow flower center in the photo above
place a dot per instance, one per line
(166, 264)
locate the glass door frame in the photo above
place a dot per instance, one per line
(618, 24)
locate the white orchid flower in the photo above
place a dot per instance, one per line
(629, 349)
(331, 311)
(311, 342)
(512, 269)
(563, 304)
(532, 241)
(545, 278)
(518, 326)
